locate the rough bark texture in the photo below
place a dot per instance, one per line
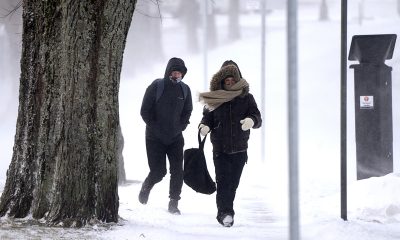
(64, 166)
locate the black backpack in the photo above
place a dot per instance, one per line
(160, 88)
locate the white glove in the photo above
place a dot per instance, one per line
(247, 123)
(204, 129)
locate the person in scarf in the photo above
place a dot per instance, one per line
(230, 112)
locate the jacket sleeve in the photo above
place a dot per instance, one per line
(254, 112)
(208, 118)
(187, 109)
(147, 109)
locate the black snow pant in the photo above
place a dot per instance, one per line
(228, 170)
(156, 155)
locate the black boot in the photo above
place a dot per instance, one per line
(173, 207)
(144, 193)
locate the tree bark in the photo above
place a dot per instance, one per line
(64, 164)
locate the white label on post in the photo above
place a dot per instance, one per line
(366, 102)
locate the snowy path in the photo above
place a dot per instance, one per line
(254, 217)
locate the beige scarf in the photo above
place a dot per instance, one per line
(214, 99)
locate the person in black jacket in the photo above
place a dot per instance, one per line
(230, 112)
(166, 109)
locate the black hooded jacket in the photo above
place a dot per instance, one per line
(167, 116)
(227, 135)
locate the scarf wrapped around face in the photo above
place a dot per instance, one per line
(214, 99)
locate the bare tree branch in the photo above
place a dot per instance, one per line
(13, 10)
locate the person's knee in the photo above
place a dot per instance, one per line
(157, 176)
(177, 171)
(160, 175)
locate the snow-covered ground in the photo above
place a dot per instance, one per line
(262, 198)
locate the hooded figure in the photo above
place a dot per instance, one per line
(167, 104)
(166, 109)
(230, 112)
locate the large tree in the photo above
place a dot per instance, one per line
(64, 163)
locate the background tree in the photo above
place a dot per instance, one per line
(64, 163)
(211, 27)
(145, 37)
(361, 7)
(398, 7)
(11, 18)
(323, 11)
(189, 14)
(234, 14)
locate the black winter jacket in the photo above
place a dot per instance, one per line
(168, 116)
(227, 135)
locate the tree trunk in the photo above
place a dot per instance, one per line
(64, 164)
(211, 28)
(189, 14)
(234, 14)
(323, 11)
(398, 7)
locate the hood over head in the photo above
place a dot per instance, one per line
(175, 64)
(230, 62)
(217, 80)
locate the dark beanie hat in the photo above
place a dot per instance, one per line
(230, 62)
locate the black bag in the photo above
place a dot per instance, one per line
(195, 172)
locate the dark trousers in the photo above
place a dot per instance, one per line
(228, 169)
(156, 156)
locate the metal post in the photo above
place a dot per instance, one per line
(294, 232)
(343, 112)
(263, 64)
